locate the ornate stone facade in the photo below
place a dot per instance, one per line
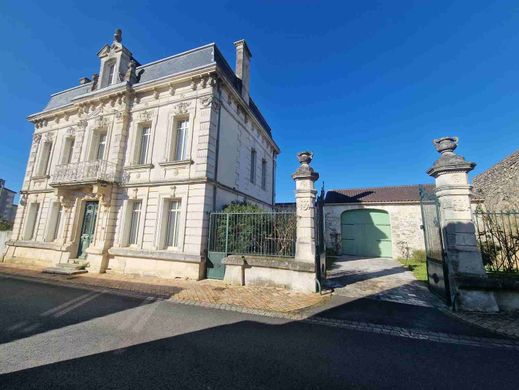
(149, 150)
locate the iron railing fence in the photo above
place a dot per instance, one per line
(85, 172)
(260, 234)
(498, 239)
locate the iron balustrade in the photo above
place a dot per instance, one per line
(260, 234)
(498, 239)
(85, 172)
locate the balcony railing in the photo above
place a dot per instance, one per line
(85, 172)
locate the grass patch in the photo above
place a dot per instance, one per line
(416, 264)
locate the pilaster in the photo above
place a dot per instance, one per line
(305, 195)
(462, 254)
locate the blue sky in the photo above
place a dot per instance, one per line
(365, 85)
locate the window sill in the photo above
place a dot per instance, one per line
(175, 163)
(138, 166)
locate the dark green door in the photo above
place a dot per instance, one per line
(87, 228)
(366, 233)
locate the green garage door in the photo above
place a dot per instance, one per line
(366, 233)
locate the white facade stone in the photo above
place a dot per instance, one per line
(222, 129)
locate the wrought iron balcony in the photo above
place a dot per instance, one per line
(84, 172)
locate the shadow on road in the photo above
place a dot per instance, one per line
(253, 355)
(39, 307)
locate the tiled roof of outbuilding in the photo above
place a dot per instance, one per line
(394, 194)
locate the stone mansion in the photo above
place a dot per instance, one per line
(125, 168)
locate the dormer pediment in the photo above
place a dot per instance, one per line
(105, 50)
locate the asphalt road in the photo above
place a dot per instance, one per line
(54, 337)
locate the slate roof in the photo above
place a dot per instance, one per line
(180, 63)
(395, 194)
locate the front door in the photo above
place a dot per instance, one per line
(87, 228)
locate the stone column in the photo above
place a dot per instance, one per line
(305, 193)
(462, 255)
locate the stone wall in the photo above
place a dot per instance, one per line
(498, 185)
(405, 222)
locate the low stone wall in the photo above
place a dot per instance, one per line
(155, 263)
(504, 289)
(270, 271)
(5, 235)
(35, 253)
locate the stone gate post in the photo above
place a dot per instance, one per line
(462, 255)
(305, 193)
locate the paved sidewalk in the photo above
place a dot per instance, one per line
(210, 292)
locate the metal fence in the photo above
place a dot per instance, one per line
(261, 234)
(498, 239)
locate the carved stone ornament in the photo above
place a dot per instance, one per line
(145, 116)
(206, 101)
(49, 137)
(70, 131)
(194, 83)
(446, 144)
(182, 107)
(305, 171)
(36, 138)
(101, 121)
(448, 161)
(82, 123)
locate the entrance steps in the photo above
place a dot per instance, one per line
(72, 267)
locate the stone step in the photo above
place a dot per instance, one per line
(64, 271)
(73, 265)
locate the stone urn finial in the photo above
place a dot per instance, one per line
(118, 35)
(448, 161)
(305, 157)
(305, 170)
(446, 145)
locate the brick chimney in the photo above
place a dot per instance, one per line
(243, 56)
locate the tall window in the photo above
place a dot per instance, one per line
(30, 227)
(56, 223)
(43, 166)
(180, 140)
(101, 146)
(135, 216)
(252, 166)
(144, 141)
(68, 150)
(263, 174)
(111, 71)
(173, 218)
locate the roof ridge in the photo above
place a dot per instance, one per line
(390, 186)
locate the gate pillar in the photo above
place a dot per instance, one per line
(305, 193)
(462, 255)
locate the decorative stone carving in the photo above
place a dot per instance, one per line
(182, 107)
(36, 138)
(118, 35)
(194, 83)
(206, 101)
(70, 131)
(171, 89)
(305, 170)
(102, 121)
(449, 161)
(49, 137)
(145, 116)
(82, 123)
